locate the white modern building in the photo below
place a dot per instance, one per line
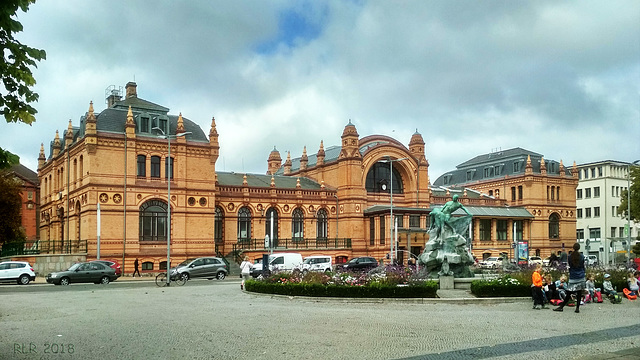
(599, 228)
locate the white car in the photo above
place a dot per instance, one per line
(534, 260)
(321, 263)
(18, 271)
(491, 262)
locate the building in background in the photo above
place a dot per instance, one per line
(600, 228)
(30, 195)
(521, 178)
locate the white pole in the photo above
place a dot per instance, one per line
(170, 168)
(98, 233)
(271, 231)
(391, 208)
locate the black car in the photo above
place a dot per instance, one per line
(88, 272)
(361, 263)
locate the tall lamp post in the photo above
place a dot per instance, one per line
(169, 177)
(392, 239)
(629, 209)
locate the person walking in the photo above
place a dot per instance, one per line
(245, 268)
(577, 281)
(135, 268)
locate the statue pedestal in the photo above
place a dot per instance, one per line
(446, 283)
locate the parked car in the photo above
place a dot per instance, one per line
(592, 260)
(534, 260)
(361, 263)
(546, 262)
(87, 272)
(112, 264)
(18, 271)
(280, 262)
(491, 262)
(320, 263)
(203, 267)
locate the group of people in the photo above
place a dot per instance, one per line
(576, 287)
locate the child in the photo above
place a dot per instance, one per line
(561, 287)
(536, 279)
(591, 287)
(549, 288)
(633, 284)
(607, 287)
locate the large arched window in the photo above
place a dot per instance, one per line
(554, 226)
(267, 225)
(244, 224)
(321, 228)
(378, 179)
(153, 221)
(218, 225)
(297, 224)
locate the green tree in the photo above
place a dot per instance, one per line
(15, 66)
(10, 208)
(635, 196)
(8, 159)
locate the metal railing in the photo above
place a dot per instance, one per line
(43, 247)
(294, 244)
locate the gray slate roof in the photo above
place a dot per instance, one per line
(499, 164)
(25, 173)
(257, 180)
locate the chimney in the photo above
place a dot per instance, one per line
(131, 89)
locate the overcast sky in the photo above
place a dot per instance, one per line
(561, 78)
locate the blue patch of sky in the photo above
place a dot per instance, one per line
(296, 26)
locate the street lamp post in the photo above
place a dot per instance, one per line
(391, 239)
(169, 177)
(629, 209)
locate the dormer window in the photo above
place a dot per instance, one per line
(144, 124)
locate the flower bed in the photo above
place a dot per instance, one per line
(387, 282)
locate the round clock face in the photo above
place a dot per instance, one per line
(384, 187)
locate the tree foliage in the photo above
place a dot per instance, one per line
(15, 66)
(635, 196)
(10, 208)
(8, 159)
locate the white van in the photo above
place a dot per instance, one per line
(320, 263)
(280, 262)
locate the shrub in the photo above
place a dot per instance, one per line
(504, 286)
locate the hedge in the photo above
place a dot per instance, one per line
(374, 290)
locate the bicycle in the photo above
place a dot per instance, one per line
(161, 279)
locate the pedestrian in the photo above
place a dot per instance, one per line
(536, 278)
(135, 268)
(245, 268)
(577, 281)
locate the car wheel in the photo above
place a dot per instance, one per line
(221, 275)
(184, 277)
(104, 280)
(64, 281)
(24, 280)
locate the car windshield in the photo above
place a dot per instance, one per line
(307, 260)
(353, 261)
(186, 262)
(74, 266)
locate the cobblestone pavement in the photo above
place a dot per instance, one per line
(215, 320)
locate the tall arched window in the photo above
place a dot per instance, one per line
(244, 224)
(218, 225)
(378, 179)
(153, 221)
(155, 166)
(554, 226)
(142, 166)
(267, 225)
(297, 224)
(321, 228)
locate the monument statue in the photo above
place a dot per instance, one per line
(446, 252)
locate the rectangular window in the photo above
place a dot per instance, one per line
(579, 194)
(613, 231)
(518, 224)
(579, 234)
(587, 212)
(144, 124)
(142, 166)
(621, 232)
(414, 221)
(485, 229)
(155, 166)
(469, 175)
(593, 172)
(586, 173)
(600, 171)
(513, 193)
(516, 166)
(587, 193)
(594, 233)
(613, 191)
(596, 191)
(496, 170)
(579, 214)
(613, 211)
(163, 125)
(486, 172)
(596, 211)
(520, 192)
(30, 195)
(502, 229)
(553, 193)
(382, 230)
(372, 231)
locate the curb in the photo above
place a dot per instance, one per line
(459, 301)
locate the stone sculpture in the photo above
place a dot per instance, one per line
(446, 252)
